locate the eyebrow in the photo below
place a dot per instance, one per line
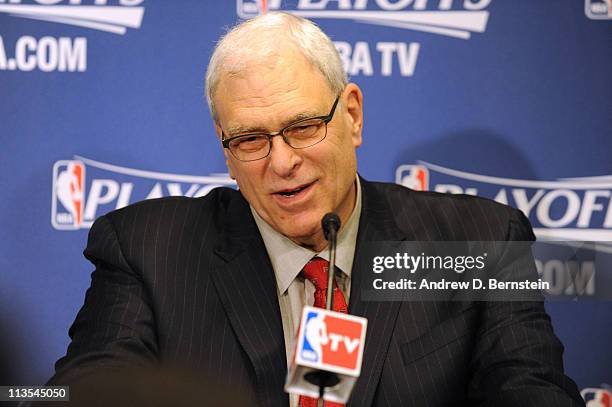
(240, 130)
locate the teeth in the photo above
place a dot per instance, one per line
(291, 193)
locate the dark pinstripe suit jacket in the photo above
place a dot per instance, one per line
(189, 281)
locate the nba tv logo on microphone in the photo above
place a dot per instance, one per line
(331, 341)
(327, 341)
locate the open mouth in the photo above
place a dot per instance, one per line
(293, 192)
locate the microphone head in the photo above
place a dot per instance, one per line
(330, 223)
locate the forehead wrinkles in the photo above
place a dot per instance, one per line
(273, 96)
(283, 71)
(270, 114)
(262, 73)
(267, 96)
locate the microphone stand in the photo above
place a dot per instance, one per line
(329, 303)
(323, 379)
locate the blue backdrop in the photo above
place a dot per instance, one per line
(102, 105)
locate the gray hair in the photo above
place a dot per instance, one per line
(261, 37)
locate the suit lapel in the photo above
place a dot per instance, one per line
(376, 224)
(244, 279)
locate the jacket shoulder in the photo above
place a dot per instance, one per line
(455, 216)
(170, 225)
(216, 199)
(175, 210)
(441, 198)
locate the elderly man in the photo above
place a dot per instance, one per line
(218, 283)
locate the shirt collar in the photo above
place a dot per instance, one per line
(288, 258)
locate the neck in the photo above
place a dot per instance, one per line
(317, 242)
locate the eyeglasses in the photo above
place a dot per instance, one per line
(301, 134)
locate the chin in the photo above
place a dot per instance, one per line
(300, 228)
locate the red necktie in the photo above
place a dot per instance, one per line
(316, 272)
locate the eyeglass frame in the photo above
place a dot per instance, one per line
(326, 119)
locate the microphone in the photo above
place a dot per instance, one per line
(328, 350)
(331, 225)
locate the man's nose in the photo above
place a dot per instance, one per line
(284, 159)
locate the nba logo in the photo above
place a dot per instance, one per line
(598, 9)
(331, 341)
(328, 341)
(413, 176)
(597, 397)
(315, 335)
(68, 194)
(252, 8)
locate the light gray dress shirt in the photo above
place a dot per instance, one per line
(288, 259)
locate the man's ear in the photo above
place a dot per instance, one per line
(226, 152)
(353, 103)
